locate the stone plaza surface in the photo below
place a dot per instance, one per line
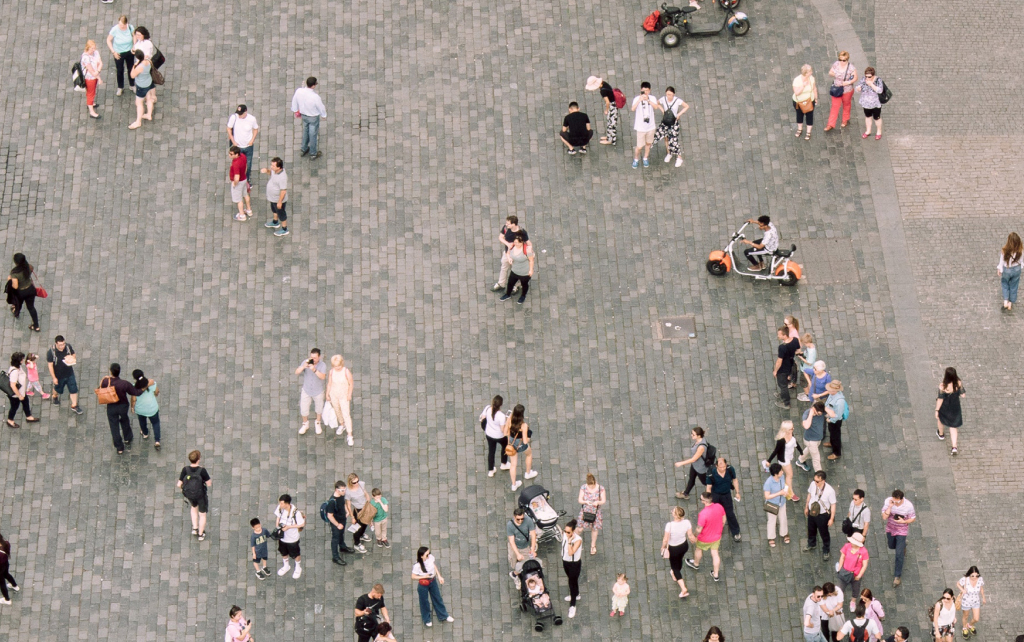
(442, 121)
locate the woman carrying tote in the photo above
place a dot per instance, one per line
(805, 99)
(493, 420)
(428, 578)
(675, 543)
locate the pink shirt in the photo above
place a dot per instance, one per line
(711, 523)
(853, 561)
(33, 373)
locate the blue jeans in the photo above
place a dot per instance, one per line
(814, 637)
(248, 161)
(434, 593)
(1010, 280)
(155, 420)
(899, 544)
(310, 132)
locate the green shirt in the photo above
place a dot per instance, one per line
(379, 505)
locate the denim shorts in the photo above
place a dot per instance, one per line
(140, 92)
(68, 381)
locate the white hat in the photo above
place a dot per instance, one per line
(594, 83)
(856, 539)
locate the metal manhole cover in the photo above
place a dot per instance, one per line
(827, 261)
(669, 328)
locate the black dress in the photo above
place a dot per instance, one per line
(950, 414)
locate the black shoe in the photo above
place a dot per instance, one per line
(346, 549)
(780, 404)
(304, 153)
(128, 445)
(826, 556)
(339, 561)
(521, 300)
(505, 297)
(77, 409)
(56, 399)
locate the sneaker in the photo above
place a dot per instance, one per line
(490, 473)
(940, 436)
(802, 466)
(298, 572)
(521, 300)
(304, 428)
(952, 451)
(430, 624)
(3, 601)
(530, 474)
(351, 442)
(339, 431)
(572, 152)
(572, 612)
(282, 232)
(612, 614)
(679, 162)
(387, 544)
(240, 217)
(668, 158)
(202, 536)
(260, 576)
(690, 563)
(120, 91)
(284, 569)
(781, 404)
(583, 150)
(504, 466)
(316, 156)
(273, 225)
(380, 543)
(826, 557)
(737, 538)
(647, 163)
(77, 410)
(46, 395)
(802, 397)
(567, 598)
(30, 393)
(318, 428)
(450, 619)
(360, 548)
(17, 589)
(636, 163)
(56, 400)
(516, 485)
(505, 297)
(714, 577)
(680, 495)
(496, 287)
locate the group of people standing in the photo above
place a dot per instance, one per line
(845, 81)
(135, 56)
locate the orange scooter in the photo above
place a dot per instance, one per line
(787, 272)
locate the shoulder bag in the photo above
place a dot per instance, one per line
(848, 523)
(158, 78)
(367, 512)
(886, 94)
(106, 393)
(814, 508)
(770, 507)
(158, 59)
(807, 105)
(837, 91)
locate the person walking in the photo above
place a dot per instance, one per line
(194, 482)
(507, 237)
(92, 65)
(336, 518)
(775, 489)
(972, 596)
(519, 435)
(944, 617)
(872, 608)
(836, 411)
(812, 616)
(805, 99)
(814, 432)
(145, 90)
(858, 517)
(861, 628)
(786, 446)
(427, 575)
(19, 385)
(784, 362)
(290, 521)
(710, 524)
(644, 123)
(61, 360)
(21, 282)
(820, 511)
(5, 572)
(620, 595)
(242, 132)
(696, 461)
(844, 76)
(722, 483)
(308, 105)
(239, 628)
(339, 394)
(673, 107)
(853, 563)
(314, 389)
(521, 532)
(117, 411)
(32, 371)
(277, 196)
(146, 407)
(674, 544)
(576, 131)
(521, 257)
(493, 421)
(899, 514)
(611, 110)
(359, 509)
(1009, 269)
(870, 89)
(948, 412)
(239, 185)
(572, 563)
(119, 42)
(592, 496)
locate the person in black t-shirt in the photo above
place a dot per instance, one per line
(60, 359)
(371, 604)
(576, 130)
(200, 503)
(336, 518)
(784, 365)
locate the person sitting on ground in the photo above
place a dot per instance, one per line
(576, 130)
(762, 246)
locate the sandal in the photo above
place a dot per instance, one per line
(785, 540)
(808, 136)
(34, 328)
(195, 531)
(799, 130)
(771, 543)
(593, 550)
(684, 594)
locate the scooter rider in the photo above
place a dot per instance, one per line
(762, 246)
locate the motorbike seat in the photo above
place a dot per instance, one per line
(673, 10)
(786, 253)
(689, 9)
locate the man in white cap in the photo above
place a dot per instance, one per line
(853, 563)
(611, 111)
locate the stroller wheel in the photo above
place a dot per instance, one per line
(558, 620)
(538, 627)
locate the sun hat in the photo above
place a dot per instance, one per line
(856, 539)
(594, 83)
(834, 386)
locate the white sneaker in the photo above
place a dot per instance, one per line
(530, 474)
(802, 397)
(3, 601)
(351, 442)
(490, 473)
(668, 158)
(340, 430)
(429, 624)
(120, 91)
(298, 572)
(318, 428)
(505, 466)
(517, 485)
(568, 598)
(284, 569)
(360, 548)
(572, 612)
(450, 619)
(304, 428)
(679, 162)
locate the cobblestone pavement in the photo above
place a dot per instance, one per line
(442, 120)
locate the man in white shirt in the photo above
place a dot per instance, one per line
(762, 246)
(290, 520)
(821, 500)
(307, 104)
(644, 123)
(242, 131)
(811, 615)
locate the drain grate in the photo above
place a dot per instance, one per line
(827, 261)
(672, 328)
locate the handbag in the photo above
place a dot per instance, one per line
(329, 416)
(106, 394)
(41, 293)
(589, 517)
(806, 106)
(886, 94)
(510, 450)
(836, 622)
(158, 60)
(769, 507)
(158, 78)
(837, 91)
(366, 513)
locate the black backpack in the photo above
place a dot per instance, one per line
(77, 75)
(859, 633)
(366, 625)
(710, 456)
(193, 488)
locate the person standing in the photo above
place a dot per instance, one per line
(368, 606)
(673, 107)
(814, 432)
(119, 42)
(948, 412)
(859, 515)
(572, 563)
(19, 384)
(5, 571)
(818, 379)
(238, 627)
(290, 521)
(844, 75)
(242, 132)
(972, 596)
(872, 608)
(644, 123)
(576, 130)
(775, 490)
(20, 278)
(521, 531)
(314, 389)
(493, 420)
(336, 517)
(381, 518)
(836, 409)
(518, 433)
(259, 548)
(146, 407)
(899, 514)
(306, 103)
(611, 110)
(860, 628)
(194, 482)
(870, 88)
(239, 184)
(722, 483)
(675, 543)
(710, 524)
(1009, 269)
(698, 465)
(820, 511)
(620, 595)
(117, 412)
(357, 505)
(507, 237)
(92, 65)
(812, 615)
(832, 610)
(805, 96)
(784, 361)
(521, 257)
(339, 394)
(592, 497)
(277, 196)
(61, 359)
(428, 578)
(853, 563)
(785, 447)
(145, 90)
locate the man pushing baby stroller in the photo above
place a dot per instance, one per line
(527, 571)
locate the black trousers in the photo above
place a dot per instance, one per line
(694, 476)
(337, 538)
(782, 380)
(14, 403)
(357, 537)
(725, 499)
(6, 578)
(125, 64)
(512, 279)
(801, 116)
(492, 445)
(117, 417)
(819, 526)
(572, 571)
(28, 299)
(835, 432)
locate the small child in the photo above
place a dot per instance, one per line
(807, 358)
(33, 376)
(258, 543)
(380, 520)
(620, 595)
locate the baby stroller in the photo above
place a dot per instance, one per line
(533, 594)
(534, 500)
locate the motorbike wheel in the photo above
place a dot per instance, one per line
(671, 37)
(716, 267)
(740, 27)
(790, 279)
(730, 4)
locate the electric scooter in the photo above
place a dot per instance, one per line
(676, 22)
(782, 269)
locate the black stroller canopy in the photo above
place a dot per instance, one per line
(531, 492)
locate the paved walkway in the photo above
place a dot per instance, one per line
(442, 121)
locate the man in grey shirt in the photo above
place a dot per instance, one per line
(522, 537)
(314, 374)
(277, 194)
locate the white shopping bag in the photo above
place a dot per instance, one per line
(329, 416)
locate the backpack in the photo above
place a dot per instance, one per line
(710, 456)
(620, 98)
(193, 488)
(846, 410)
(859, 633)
(77, 75)
(366, 625)
(651, 23)
(5, 384)
(323, 512)
(886, 94)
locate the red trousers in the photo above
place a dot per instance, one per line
(90, 92)
(845, 101)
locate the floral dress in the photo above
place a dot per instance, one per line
(591, 497)
(972, 594)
